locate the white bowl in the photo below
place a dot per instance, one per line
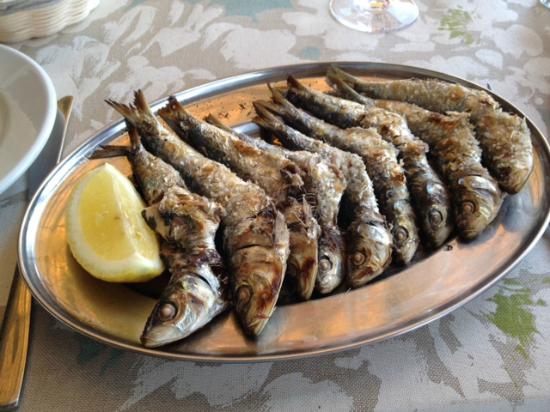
(27, 113)
(41, 18)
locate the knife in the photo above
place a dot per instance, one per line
(14, 337)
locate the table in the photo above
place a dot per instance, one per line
(491, 354)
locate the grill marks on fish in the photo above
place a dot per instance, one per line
(324, 188)
(369, 242)
(307, 184)
(380, 158)
(255, 235)
(456, 152)
(278, 176)
(504, 137)
(198, 287)
(429, 195)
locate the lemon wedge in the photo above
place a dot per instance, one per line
(105, 230)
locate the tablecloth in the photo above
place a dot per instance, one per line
(491, 354)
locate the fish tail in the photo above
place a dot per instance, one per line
(335, 72)
(282, 106)
(135, 138)
(138, 113)
(108, 151)
(268, 116)
(294, 83)
(346, 91)
(267, 110)
(141, 103)
(174, 112)
(172, 109)
(129, 112)
(214, 121)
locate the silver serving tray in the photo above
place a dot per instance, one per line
(428, 289)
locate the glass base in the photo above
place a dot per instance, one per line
(374, 16)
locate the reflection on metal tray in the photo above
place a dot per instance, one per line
(414, 296)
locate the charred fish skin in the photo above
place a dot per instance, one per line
(278, 176)
(380, 158)
(369, 242)
(198, 287)
(255, 235)
(504, 137)
(432, 94)
(176, 315)
(507, 148)
(187, 303)
(430, 198)
(325, 187)
(476, 195)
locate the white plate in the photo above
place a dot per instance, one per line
(27, 113)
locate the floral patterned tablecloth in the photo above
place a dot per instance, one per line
(491, 354)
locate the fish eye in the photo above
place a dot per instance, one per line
(468, 207)
(325, 264)
(435, 217)
(167, 311)
(358, 258)
(401, 234)
(244, 294)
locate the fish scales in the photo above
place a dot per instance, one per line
(278, 176)
(197, 290)
(428, 193)
(324, 186)
(504, 137)
(477, 197)
(381, 162)
(369, 242)
(255, 236)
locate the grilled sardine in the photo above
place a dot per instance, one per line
(278, 176)
(429, 195)
(504, 138)
(255, 233)
(198, 287)
(369, 242)
(325, 186)
(380, 158)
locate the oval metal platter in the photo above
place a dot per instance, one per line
(426, 290)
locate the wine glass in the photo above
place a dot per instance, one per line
(374, 16)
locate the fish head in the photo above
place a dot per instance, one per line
(436, 218)
(256, 289)
(331, 260)
(304, 231)
(258, 249)
(185, 305)
(369, 251)
(437, 224)
(405, 241)
(480, 200)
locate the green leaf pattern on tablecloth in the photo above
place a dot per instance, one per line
(490, 352)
